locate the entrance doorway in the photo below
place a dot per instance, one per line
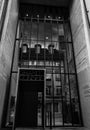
(30, 99)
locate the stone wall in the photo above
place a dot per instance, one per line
(6, 49)
(81, 41)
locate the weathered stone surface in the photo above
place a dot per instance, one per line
(80, 33)
(6, 48)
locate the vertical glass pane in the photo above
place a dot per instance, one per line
(48, 113)
(33, 43)
(56, 46)
(57, 105)
(41, 31)
(48, 31)
(60, 30)
(12, 101)
(57, 84)
(70, 58)
(21, 28)
(40, 56)
(74, 100)
(26, 29)
(67, 115)
(48, 55)
(34, 31)
(56, 56)
(49, 85)
(65, 62)
(58, 113)
(67, 32)
(54, 32)
(49, 100)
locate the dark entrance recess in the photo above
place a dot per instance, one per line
(30, 99)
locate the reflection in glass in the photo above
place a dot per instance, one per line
(58, 113)
(48, 31)
(41, 31)
(56, 57)
(34, 34)
(67, 32)
(54, 32)
(74, 100)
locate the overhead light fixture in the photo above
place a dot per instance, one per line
(46, 38)
(59, 17)
(27, 15)
(49, 16)
(38, 15)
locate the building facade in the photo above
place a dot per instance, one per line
(45, 64)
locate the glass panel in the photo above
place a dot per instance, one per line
(41, 55)
(11, 111)
(48, 80)
(48, 31)
(56, 45)
(60, 30)
(12, 101)
(26, 29)
(48, 55)
(21, 28)
(74, 100)
(34, 31)
(56, 56)
(65, 62)
(57, 84)
(62, 45)
(57, 105)
(48, 113)
(58, 113)
(70, 59)
(67, 32)
(41, 31)
(54, 32)
(33, 43)
(56, 70)
(67, 115)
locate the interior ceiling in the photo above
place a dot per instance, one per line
(64, 3)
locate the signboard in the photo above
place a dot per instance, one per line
(31, 75)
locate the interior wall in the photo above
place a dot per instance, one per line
(81, 41)
(6, 50)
